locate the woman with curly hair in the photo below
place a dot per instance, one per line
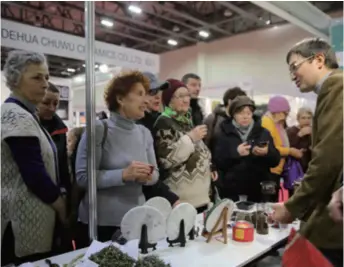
(125, 160)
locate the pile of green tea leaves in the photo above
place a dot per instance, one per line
(151, 261)
(112, 256)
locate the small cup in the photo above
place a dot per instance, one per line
(151, 169)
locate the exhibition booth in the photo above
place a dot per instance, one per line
(227, 234)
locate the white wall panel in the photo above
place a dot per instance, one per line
(256, 58)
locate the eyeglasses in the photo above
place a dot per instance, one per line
(188, 96)
(295, 66)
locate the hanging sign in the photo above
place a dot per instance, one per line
(337, 39)
(25, 37)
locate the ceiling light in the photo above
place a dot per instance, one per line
(70, 70)
(172, 42)
(106, 22)
(96, 66)
(84, 65)
(135, 9)
(104, 68)
(267, 22)
(203, 34)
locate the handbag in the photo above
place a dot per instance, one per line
(292, 173)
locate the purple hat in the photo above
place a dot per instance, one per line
(278, 104)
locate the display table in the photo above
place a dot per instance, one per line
(199, 253)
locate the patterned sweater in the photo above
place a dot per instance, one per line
(184, 165)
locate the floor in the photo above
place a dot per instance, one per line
(271, 261)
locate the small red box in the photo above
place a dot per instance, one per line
(243, 231)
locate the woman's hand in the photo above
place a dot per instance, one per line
(305, 131)
(176, 203)
(214, 176)
(296, 153)
(260, 151)
(137, 171)
(244, 149)
(198, 133)
(60, 206)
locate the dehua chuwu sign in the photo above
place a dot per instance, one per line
(25, 37)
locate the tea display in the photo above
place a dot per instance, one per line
(243, 231)
(180, 222)
(151, 261)
(161, 204)
(112, 256)
(262, 226)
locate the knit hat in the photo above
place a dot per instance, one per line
(239, 102)
(278, 104)
(167, 94)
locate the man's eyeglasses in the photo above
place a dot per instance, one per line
(295, 66)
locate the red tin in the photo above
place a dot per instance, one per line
(243, 231)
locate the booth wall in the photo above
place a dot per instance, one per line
(256, 59)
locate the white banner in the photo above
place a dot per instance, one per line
(25, 37)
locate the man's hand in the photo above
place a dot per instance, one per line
(336, 206)
(214, 176)
(281, 214)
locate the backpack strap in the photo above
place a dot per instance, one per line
(106, 129)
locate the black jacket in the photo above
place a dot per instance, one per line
(159, 189)
(149, 119)
(243, 175)
(196, 112)
(58, 130)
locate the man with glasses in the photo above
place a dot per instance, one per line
(313, 67)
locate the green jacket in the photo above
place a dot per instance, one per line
(309, 203)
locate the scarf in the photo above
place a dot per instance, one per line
(281, 131)
(185, 119)
(243, 131)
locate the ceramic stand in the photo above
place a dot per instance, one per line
(181, 236)
(144, 245)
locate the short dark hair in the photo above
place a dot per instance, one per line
(232, 93)
(53, 88)
(188, 76)
(310, 47)
(121, 85)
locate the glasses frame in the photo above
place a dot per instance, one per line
(295, 66)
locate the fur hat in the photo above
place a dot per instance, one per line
(239, 102)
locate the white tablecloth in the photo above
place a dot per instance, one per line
(199, 253)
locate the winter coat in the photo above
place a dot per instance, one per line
(242, 175)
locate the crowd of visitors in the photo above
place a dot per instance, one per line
(157, 142)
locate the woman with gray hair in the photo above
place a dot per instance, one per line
(30, 193)
(300, 135)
